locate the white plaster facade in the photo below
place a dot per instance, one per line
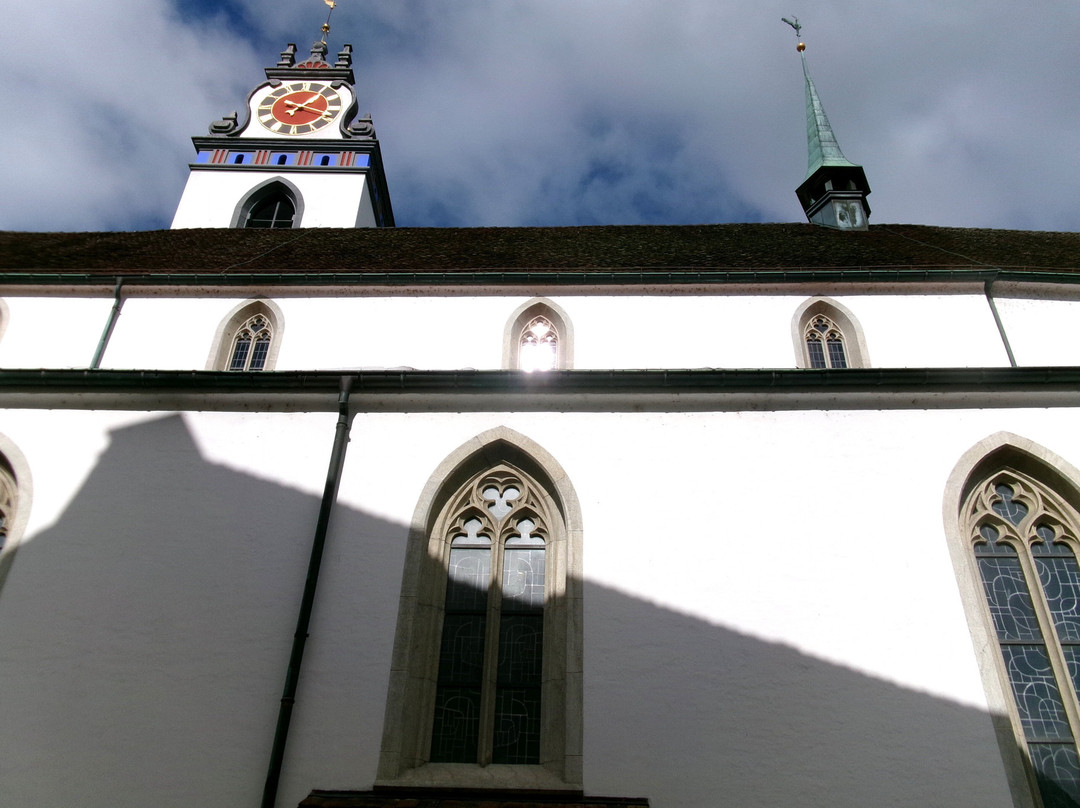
(433, 331)
(213, 198)
(771, 616)
(824, 631)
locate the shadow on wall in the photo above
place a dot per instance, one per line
(144, 640)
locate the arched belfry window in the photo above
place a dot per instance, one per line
(488, 637)
(827, 335)
(248, 338)
(538, 337)
(1021, 529)
(274, 210)
(275, 203)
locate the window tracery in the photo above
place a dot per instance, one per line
(827, 335)
(248, 338)
(251, 345)
(825, 343)
(488, 646)
(1023, 540)
(487, 697)
(539, 346)
(538, 337)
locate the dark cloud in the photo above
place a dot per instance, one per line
(506, 112)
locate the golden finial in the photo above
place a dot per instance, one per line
(800, 47)
(326, 25)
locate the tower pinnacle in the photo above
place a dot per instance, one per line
(834, 192)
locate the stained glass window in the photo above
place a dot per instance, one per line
(489, 681)
(1024, 543)
(539, 348)
(251, 345)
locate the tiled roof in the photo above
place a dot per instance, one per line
(724, 246)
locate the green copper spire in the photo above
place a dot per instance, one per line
(834, 192)
(820, 140)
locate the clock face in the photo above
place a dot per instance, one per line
(299, 107)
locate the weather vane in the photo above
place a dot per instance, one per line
(793, 22)
(326, 25)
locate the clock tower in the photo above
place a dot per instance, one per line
(296, 157)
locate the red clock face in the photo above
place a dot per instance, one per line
(297, 108)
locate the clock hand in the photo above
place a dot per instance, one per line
(320, 112)
(304, 106)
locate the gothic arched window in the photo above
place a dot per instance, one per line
(827, 335)
(248, 338)
(538, 345)
(275, 210)
(274, 204)
(1022, 537)
(487, 693)
(825, 343)
(488, 639)
(251, 344)
(538, 337)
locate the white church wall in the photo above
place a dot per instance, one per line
(904, 331)
(166, 333)
(747, 576)
(330, 199)
(609, 331)
(1042, 332)
(175, 333)
(52, 332)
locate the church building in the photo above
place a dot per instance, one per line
(299, 508)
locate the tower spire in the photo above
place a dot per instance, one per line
(834, 192)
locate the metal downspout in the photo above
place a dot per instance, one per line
(997, 319)
(292, 675)
(118, 303)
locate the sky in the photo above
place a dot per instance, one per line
(551, 112)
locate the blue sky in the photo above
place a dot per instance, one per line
(551, 112)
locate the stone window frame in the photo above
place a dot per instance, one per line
(266, 188)
(5, 316)
(403, 759)
(222, 346)
(525, 314)
(16, 493)
(846, 323)
(1058, 484)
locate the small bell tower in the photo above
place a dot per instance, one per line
(296, 157)
(835, 189)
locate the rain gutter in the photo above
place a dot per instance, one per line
(114, 314)
(307, 601)
(532, 388)
(997, 320)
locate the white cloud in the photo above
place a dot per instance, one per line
(503, 112)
